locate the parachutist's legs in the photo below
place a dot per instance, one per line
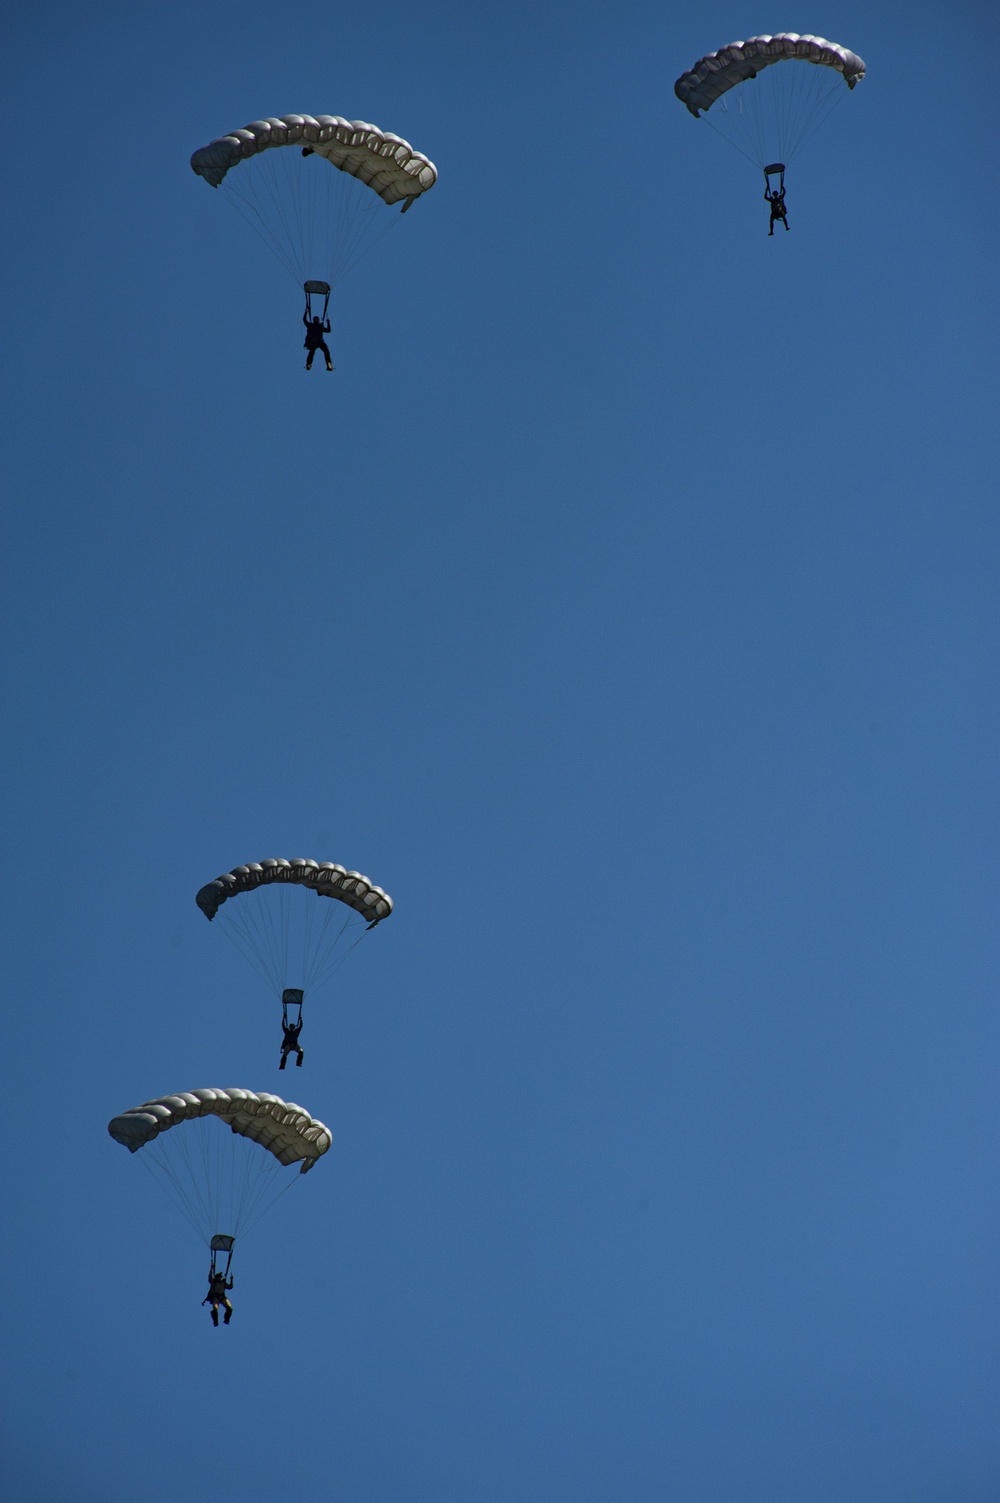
(299, 1060)
(284, 1060)
(215, 1316)
(309, 360)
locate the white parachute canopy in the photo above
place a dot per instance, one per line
(318, 189)
(295, 920)
(769, 94)
(223, 1156)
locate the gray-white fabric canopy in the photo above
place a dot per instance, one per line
(720, 71)
(287, 1131)
(325, 878)
(386, 163)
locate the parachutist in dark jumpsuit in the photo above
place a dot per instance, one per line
(216, 1296)
(776, 202)
(290, 1042)
(315, 329)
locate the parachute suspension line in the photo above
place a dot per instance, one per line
(164, 1176)
(248, 210)
(743, 112)
(258, 923)
(785, 97)
(261, 927)
(752, 108)
(789, 88)
(391, 220)
(333, 214)
(335, 960)
(273, 911)
(212, 1182)
(236, 931)
(241, 1185)
(770, 116)
(311, 205)
(314, 226)
(351, 209)
(283, 934)
(207, 1187)
(214, 1185)
(252, 1182)
(291, 947)
(248, 1225)
(307, 930)
(325, 943)
(237, 927)
(283, 190)
(707, 117)
(738, 116)
(387, 219)
(825, 107)
(187, 1190)
(254, 1172)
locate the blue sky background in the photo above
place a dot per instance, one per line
(625, 606)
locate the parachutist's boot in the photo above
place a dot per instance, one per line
(227, 1317)
(215, 1317)
(299, 1060)
(284, 1059)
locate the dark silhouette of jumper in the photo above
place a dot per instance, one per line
(775, 196)
(290, 1042)
(315, 329)
(218, 1284)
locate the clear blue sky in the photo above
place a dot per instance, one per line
(625, 606)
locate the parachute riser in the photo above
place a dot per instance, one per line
(220, 1244)
(775, 169)
(317, 289)
(292, 997)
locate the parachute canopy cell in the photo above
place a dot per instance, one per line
(325, 878)
(718, 72)
(285, 1130)
(385, 163)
